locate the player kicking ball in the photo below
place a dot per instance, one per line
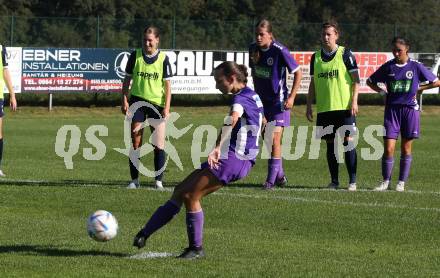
(228, 162)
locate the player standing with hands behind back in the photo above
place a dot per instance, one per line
(334, 83)
(402, 77)
(269, 60)
(150, 70)
(5, 78)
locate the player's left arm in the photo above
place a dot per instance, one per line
(167, 74)
(355, 92)
(8, 82)
(351, 65)
(294, 68)
(297, 76)
(430, 85)
(426, 75)
(166, 109)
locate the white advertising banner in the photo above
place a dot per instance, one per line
(192, 69)
(14, 55)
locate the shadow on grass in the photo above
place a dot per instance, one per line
(73, 183)
(146, 184)
(55, 252)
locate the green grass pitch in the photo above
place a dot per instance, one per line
(299, 231)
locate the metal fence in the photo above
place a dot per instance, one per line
(196, 34)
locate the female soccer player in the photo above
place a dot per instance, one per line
(269, 60)
(334, 83)
(5, 78)
(402, 77)
(150, 71)
(230, 160)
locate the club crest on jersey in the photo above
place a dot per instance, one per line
(409, 74)
(270, 61)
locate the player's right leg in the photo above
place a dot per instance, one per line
(392, 130)
(136, 132)
(136, 139)
(387, 164)
(327, 120)
(1, 139)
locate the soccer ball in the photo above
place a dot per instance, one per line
(102, 225)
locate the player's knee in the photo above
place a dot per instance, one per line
(189, 197)
(348, 142)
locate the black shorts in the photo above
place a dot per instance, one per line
(337, 119)
(2, 113)
(147, 111)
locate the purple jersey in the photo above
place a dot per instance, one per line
(245, 134)
(402, 81)
(269, 73)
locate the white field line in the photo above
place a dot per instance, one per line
(314, 200)
(150, 187)
(151, 255)
(284, 198)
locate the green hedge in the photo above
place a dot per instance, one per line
(113, 99)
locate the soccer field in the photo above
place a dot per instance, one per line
(301, 230)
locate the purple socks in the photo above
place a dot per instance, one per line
(387, 167)
(274, 168)
(163, 215)
(194, 227)
(160, 218)
(405, 166)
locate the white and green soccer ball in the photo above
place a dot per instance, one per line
(102, 226)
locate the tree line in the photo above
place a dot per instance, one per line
(217, 24)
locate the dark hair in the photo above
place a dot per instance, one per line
(329, 24)
(264, 23)
(152, 30)
(400, 40)
(229, 68)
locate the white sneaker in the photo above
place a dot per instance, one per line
(352, 187)
(400, 187)
(383, 186)
(158, 185)
(2, 175)
(332, 186)
(133, 185)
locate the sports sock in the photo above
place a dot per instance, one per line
(280, 173)
(134, 172)
(332, 163)
(194, 228)
(160, 218)
(1, 150)
(405, 166)
(387, 167)
(351, 163)
(159, 162)
(273, 167)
